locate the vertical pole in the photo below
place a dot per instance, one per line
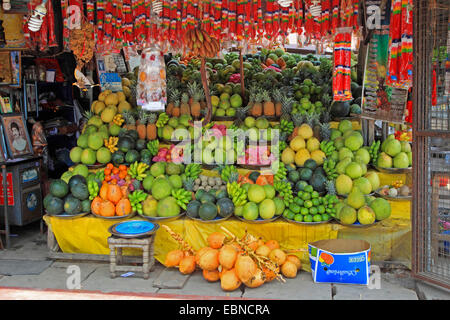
(5, 204)
(206, 89)
(241, 59)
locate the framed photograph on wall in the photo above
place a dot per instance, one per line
(16, 135)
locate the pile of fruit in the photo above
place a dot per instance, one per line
(363, 209)
(208, 205)
(394, 154)
(234, 261)
(398, 188)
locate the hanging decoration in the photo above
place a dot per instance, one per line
(342, 65)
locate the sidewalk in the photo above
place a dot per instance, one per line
(30, 267)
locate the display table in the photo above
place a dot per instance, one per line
(390, 239)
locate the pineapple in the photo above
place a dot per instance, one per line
(151, 129)
(196, 93)
(188, 185)
(325, 131)
(141, 124)
(331, 188)
(297, 118)
(234, 176)
(173, 96)
(277, 98)
(184, 107)
(130, 122)
(286, 108)
(257, 107)
(268, 106)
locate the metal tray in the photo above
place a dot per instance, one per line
(223, 118)
(215, 220)
(209, 166)
(346, 196)
(115, 217)
(357, 225)
(399, 198)
(307, 223)
(69, 216)
(393, 170)
(162, 219)
(112, 230)
(252, 166)
(96, 166)
(259, 220)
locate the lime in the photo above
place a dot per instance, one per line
(290, 215)
(308, 218)
(330, 206)
(325, 217)
(307, 82)
(309, 189)
(286, 213)
(317, 218)
(304, 211)
(315, 202)
(321, 209)
(306, 196)
(294, 208)
(298, 217)
(314, 194)
(308, 204)
(301, 185)
(313, 210)
(299, 201)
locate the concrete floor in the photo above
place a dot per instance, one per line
(30, 245)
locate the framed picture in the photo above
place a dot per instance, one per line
(16, 135)
(11, 68)
(5, 104)
(16, 69)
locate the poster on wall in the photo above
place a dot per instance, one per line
(109, 68)
(380, 101)
(16, 135)
(9, 189)
(13, 24)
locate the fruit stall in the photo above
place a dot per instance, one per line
(243, 152)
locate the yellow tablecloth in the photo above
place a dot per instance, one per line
(390, 239)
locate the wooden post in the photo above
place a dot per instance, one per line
(241, 59)
(206, 89)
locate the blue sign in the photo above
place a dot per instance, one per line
(111, 81)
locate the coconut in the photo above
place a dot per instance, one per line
(173, 258)
(278, 256)
(216, 239)
(257, 280)
(211, 276)
(200, 253)
(245, 268)
(270, 275)
(229, 281)
(227, 256)
(253, 245)
(289, 269)
(263, 250)
(273, 244)
(209, 260)
(295, 260)
(187, 265)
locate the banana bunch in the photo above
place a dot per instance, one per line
(135, 199)
(286, 126)
(373, 151)
(100, 175)
(118, 119)
(137, 169)
(201, 43)
(163, 118)
(282, 145)
(329, 166)
(153, 146)
(93, 189)
(182, 196)
(281, 173)
(227, 171)
(327, 146)
(285, 191)
(111, 144)
(237, 194)
(193, 170)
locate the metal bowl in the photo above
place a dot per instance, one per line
(387, 197)
(115, 217)
(162, 219)
(69, 216)
(307, 223)
(113, 231)
(215, 220)
(393, 170)
(96, 166)
(358, 225)
(259, 220)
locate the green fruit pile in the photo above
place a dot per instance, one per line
(309, 206)
(210, 205)
(91, 147)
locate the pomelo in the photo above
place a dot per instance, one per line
(236, 101)
(363, 184)
(401, 161)
(103, 155)
(250, 211)
(363, 155)
(114, 129)
(75, 154)
(366, 215)
(256, 193)
(82, 141)
(382, 208)
(347, 215)
(353, 142)
(384, 160)
(88, 156)
(81, 170)
(341, 165)
(393, 147)
(267, 209)
(345, 125)
(297, 143)
(95, 141)
(354, 170)
(344, 184)
(279, 205)
(269, 191)
(356, 198)
(345, 153)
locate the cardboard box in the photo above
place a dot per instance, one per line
(340, 261)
